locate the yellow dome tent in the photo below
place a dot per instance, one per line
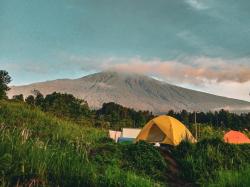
(166, 130)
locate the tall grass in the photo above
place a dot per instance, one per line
(204, 161)
(38, 149)
(234, 178)
(45, 126)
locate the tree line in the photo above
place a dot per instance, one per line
(223, 119)
(113, 115)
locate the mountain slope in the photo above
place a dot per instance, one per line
(135, 91)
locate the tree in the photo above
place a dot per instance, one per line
(39, 98)
(30, 100)
(18, 97)
(65, 105)
(118, 115)
(184, 117)
(5, 79)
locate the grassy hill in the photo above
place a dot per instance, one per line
(38, 149)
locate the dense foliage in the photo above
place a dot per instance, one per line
(222, 118)
(61, 105)
(65, 105)
(118, 116)
(142, 158)
(115, 116)
(18, 97)
(4, 81)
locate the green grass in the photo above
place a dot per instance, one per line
(226, 178)
(38, 149)
(204, 161)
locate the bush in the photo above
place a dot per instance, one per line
(145, 158)
(107, 154)
(141, 158)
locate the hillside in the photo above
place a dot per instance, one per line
(135, 91)
(38, 149)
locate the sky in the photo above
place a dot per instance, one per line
(198, 44)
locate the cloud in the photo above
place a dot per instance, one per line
(196, 71)
(218, 76)
(214, 75)
(197, 4)
(232, 89)
(200, 70)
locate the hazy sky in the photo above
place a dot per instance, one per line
(199, 44)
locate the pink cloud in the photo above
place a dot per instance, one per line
(200, 70)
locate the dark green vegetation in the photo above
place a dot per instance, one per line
(115, 116)
(111, 115)
(212, 159)
(234, 178)
(61, 105)
(4, 81)
(222, 119)
(118, 116)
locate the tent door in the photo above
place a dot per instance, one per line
(155, 134)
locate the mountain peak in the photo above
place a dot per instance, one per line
(119, 74)
(116, 76)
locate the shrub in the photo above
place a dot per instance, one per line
(141, 158)
(106, 154)
(145, 158)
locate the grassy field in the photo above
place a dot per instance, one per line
(236, 178)
(39, 149)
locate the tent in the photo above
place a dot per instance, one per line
(115, 135)
(236, 137)
(165, 130)
(130, 132)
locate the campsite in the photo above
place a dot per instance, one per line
(124, 93)
(55, 140)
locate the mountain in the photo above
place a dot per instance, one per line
(136, 91)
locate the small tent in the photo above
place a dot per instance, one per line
(115, 135)
(129, 135)
(166, 130)
(236, 137)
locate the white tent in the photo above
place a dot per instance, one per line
(130, 132)
(115, 135)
